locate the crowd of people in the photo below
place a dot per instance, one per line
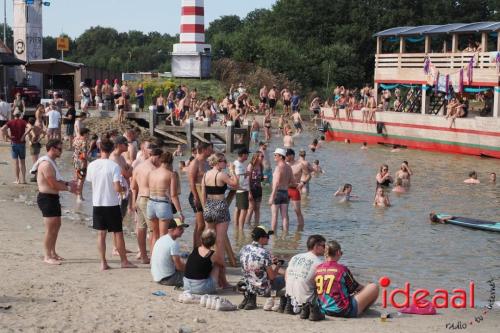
(137, 178)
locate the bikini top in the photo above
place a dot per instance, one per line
(215, 190)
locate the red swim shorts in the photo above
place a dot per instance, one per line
(293, 194)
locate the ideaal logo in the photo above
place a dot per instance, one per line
(440, 298)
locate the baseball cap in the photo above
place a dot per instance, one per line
(261, 231)
(121, 140)
(176, 223)
(243, 151)
(280, 151)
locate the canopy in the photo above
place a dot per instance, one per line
(440, 29)
(7, 58)
(53, 66)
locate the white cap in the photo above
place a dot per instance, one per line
(280, 151)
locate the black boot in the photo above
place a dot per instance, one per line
(315, 312)
(281, 309)
(289, 306)
(244, 302)
(251, 302)
(305, 311)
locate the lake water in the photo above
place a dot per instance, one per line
(397, 242)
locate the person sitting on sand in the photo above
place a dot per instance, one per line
(300, 285)
(202, 266)
(259, 273)
(472, 178)
(398, 186)
(339, 294)
(381, 198)
(345, 192)
(167, 268)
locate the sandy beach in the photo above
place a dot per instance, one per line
(77, 297)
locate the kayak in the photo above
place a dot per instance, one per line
(471, 223)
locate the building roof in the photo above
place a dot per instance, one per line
(440, 29)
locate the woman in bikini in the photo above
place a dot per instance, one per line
(383, 177)
(216, 210)
(267, 126)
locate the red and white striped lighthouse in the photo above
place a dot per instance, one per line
(192, 34)
(191, 56)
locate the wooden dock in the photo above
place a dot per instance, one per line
(192, 132)
(195, 131)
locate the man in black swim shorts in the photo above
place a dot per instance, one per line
(49, 186)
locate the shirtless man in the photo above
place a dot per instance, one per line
(192, 100)
(307, 171)
(197, 169)
(121, 146)
(49, 186)
(297, 122)
(288, 139)
(315, 108)
(472, 178)
(163, 191)
(255, 129)
(371, 107)
(300, 171)
(263, 98)
(272, 100)
(131, 152)
(282, 180)
(140, 196)
(107, 95)
(287, 101)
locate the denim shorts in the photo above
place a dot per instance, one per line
(159, 209)
(18, 151)
(354, 308)
(200, 287)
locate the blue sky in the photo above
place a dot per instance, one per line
(75, 16)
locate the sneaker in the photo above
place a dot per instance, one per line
(244, 302)
(276, 306)
(223, 304)
(214, 302)
(203, 300)
(252, 302)
(209, 302)
(316, 314)
(289, 306)
(282, 304)
(305, 311)
(269, 305)
(188, 298)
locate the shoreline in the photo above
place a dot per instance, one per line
(77, 296)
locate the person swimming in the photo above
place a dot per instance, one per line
(381, 198)
(345, 192)
(435, 219)
(314, 145)
(317, 170)
(398, 186)
(364, 146)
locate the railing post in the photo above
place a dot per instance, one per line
(379, 45)
(427, 44)
(229, 137)
(189, 133)
(152, 120)
(425, 102)
(248, 126)
(484, 42)
(206, 124)
(496, 102)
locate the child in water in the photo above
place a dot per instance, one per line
(314, 145)
(398, 186)
(381, 198)
(317, 170)
(345, 192)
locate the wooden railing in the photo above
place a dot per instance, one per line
(439, 60)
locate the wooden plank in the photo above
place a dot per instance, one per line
(175, 129)
(199, 137)
(171, 136)
(220, 137)
(210, 130)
